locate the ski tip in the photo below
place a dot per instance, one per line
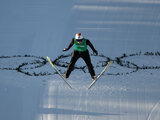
(47, 57)
(109, 62)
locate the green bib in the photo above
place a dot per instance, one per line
(81, 47)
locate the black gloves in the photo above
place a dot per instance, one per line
(65, 49)
(95, 52)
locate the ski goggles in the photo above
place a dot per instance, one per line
(79, 40)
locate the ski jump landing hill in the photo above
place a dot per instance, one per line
(123, 31)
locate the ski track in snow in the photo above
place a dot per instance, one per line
(154, 114)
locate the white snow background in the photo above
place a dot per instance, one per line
(125, 29)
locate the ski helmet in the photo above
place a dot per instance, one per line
(78, 36)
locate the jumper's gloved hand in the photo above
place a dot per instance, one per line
(95, 52)
(65, 49)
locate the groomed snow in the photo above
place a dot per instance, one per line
(124, 31)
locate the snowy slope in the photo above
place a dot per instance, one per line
(124, 31)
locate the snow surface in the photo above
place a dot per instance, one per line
(126, 31)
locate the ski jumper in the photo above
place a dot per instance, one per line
(80, 50)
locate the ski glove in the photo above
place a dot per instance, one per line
(95, 52)
(65, 49)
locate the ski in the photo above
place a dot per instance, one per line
(106, 67)
(58, 72)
